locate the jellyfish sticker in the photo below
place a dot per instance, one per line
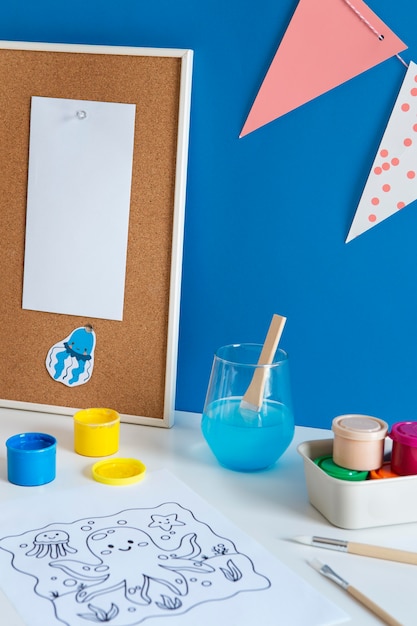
(71, 360)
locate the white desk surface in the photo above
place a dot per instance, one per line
(271, 506)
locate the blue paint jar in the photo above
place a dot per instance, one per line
(31, 459)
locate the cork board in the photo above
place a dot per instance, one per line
(135, 359)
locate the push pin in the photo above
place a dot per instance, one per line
(81, 115)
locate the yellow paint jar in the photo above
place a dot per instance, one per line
(96, 432)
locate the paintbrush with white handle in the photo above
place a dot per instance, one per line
(362, 549)
(253, 398)
(327, 571)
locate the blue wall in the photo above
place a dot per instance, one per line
(267, 215)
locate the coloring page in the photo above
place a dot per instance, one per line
(136, 564)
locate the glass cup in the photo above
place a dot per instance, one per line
(241, 438)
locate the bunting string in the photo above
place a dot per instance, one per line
(364, 20)
(369, 25)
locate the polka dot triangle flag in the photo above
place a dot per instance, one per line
(327, 43)
(392, 181)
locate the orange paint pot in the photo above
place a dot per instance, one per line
(384, 471)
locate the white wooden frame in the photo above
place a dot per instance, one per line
(186, 57)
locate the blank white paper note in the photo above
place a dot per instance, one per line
(77, 222)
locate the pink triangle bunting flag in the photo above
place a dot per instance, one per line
(392, 181)
(327, 43)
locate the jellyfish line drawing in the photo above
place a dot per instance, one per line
(53, 544)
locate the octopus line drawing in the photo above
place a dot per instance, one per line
(71, 360)
(132, 566)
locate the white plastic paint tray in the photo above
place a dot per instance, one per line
(362, 504)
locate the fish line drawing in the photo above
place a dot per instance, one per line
(134, 565)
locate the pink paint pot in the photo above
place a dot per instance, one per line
(359, 441)
(404, 448)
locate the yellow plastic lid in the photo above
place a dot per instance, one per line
(118, 471)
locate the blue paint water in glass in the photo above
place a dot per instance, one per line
(247, 440)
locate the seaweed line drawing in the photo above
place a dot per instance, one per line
(131, 566)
